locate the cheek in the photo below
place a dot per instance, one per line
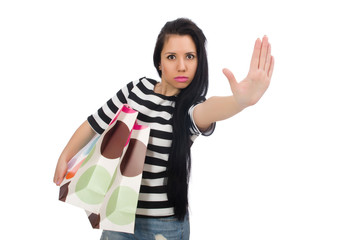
(194, 68)
(165, 68)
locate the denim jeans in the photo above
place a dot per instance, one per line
(169, 228)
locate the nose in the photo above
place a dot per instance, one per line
(181, 66)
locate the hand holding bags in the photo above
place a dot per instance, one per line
(106, 183)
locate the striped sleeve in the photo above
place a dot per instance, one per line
(194, 129)
(104, 115)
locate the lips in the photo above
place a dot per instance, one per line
(181, 79)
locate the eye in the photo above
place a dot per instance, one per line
(171, 57)
(190, 56)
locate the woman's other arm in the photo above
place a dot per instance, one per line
(79, 139)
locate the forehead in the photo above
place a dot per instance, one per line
(179, 43)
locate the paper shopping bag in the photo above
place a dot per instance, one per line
(117, 212)
(106, 183)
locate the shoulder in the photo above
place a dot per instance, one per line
(139, 83)
(147, 82)
(145, 85)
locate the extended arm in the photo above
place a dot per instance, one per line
(245, 93)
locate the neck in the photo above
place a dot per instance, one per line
(166, 90)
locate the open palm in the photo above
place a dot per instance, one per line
(251, 89)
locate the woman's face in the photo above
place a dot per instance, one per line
(178, 62)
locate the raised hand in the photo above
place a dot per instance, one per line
(251, 89)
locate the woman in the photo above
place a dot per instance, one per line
(176, 110)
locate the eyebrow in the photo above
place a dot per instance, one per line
(176, 53)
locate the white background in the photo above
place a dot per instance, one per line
(286, 168)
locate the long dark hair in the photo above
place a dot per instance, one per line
(179, 162)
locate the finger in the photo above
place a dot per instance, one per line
(263, 52)
(268, 58)
(230, 76)
(270, 73)
(59, 180)
(254, 64)
(55, 178)
(59, 175)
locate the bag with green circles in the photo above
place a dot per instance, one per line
(104, 178)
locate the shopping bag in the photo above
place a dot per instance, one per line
(106, 182)
(117, 213)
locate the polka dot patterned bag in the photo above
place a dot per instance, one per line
(104, 178)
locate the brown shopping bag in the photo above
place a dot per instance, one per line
(104, 178)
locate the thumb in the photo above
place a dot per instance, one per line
(230, 76)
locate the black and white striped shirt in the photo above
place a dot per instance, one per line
(154, 110)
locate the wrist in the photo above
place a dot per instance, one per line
(239, 105)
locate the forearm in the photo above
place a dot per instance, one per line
(216, 109)
(79, 139)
